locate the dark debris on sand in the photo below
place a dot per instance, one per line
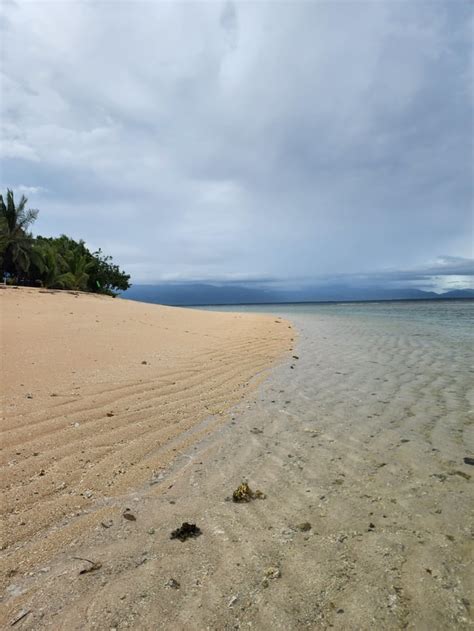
(244, 493)
(185, 531)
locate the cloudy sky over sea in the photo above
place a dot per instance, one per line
(256, 141)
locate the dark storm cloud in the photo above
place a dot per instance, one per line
(246, 141)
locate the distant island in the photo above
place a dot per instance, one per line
(200, 294)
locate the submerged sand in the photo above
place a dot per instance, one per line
(358, 443)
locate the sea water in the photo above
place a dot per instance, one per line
(365, 426)
(451, 319)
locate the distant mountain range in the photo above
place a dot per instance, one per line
(186, 294)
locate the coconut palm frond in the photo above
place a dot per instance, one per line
(15, 241)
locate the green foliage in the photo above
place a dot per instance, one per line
(59, 263)
(78, 265)
(105, 276)
(15, 240)
(47, 264)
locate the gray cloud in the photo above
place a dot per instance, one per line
(232, 141)
(228, 21)
(445, 272)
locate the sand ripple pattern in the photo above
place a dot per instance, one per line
(73, 445)
(363, 436)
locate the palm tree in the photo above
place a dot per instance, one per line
(15, 241)
(47, 265)
(78, 273)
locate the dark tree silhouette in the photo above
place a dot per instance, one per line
(56, 262)
(15, 240)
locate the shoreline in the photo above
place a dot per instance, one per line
(365, 523)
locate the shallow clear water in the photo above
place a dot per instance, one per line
(448, 317)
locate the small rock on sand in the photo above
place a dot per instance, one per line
(128, 515)
(172, 583)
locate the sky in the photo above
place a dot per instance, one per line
(284, 143)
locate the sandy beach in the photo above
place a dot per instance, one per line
(236, 316)
(356, 438)
(98, 396)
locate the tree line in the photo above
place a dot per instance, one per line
(51, 262)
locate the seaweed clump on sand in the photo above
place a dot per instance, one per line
(243, 493)
(185, 531)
